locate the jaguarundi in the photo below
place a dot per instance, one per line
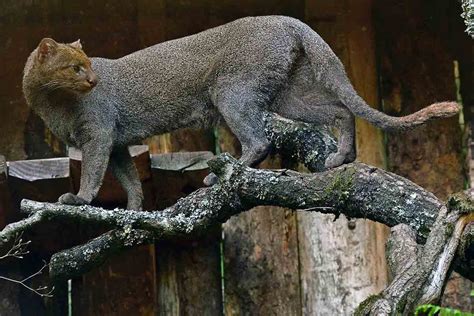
(233, 72)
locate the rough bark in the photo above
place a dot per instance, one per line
(355, 190)
(420, 272)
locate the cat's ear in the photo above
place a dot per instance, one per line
(76, 44)
(46, 48)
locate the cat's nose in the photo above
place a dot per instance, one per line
(92, 80)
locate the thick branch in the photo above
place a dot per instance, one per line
(72, 262)
(356, 190)
(306, 143)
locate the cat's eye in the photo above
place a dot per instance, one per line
(76, 68)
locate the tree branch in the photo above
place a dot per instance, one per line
(355, 190)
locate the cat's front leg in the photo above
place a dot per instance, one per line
(95, 157)
(122, 166)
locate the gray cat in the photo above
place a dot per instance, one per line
(233, 72)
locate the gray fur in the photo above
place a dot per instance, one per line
(232, 72)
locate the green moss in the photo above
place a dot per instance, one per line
(338, 190)
(424, 231)
(401, 305)
(449, 229)
(366, 305)
(461, 202)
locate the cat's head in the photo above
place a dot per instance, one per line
(64, 67)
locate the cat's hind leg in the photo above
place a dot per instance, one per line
(240, 110)
(346, 152)
(329, 113)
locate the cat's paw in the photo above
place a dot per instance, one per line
(71, 199)
(210, 179)
(351, 157)
(334, 160)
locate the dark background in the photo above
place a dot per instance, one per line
(400, 56)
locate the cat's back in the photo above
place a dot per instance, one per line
(245, 36)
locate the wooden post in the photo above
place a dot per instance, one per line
(188, 275)
(125, 284)
(333, 282)
(416, 69)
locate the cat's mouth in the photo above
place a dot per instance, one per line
(87, 86)
(84, 88)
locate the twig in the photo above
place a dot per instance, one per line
(42, 291)
(18, 249)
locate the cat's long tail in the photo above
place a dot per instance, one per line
(330, 72)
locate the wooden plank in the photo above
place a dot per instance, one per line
(415, 72)
(333, 283)
(13, 51)
(42, 180)
(125, 284)
(39, 179)
(122, 286)
(106, 28)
